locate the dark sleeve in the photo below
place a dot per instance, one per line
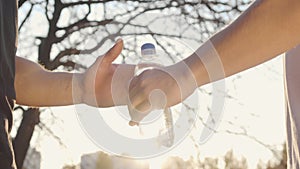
(8, 46)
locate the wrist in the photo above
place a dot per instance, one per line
(206, 64)
(184, 78)
(197, 68)
(78, 88)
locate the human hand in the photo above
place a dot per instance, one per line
(159, 88)
(97, 81)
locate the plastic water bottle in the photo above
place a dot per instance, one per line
(149, 60)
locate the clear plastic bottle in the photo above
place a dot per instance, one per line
(149, 60)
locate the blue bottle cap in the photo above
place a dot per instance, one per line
(147, 46)
(148, 49)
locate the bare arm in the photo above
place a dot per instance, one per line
(36, 86)
(266, 29)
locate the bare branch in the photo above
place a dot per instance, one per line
(81, 24)
(21, 2)
(84, 3)
(56, 62)
(47, 129)
(26, 17)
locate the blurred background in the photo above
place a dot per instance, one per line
(68, 35)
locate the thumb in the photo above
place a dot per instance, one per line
(113, 52)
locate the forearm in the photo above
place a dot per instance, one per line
(38, 87)
(266, 29)
(52, 89)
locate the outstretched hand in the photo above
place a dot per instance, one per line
(97, 80)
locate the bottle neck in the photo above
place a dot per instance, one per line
(150, 52)
(149, 58)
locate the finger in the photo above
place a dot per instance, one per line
(144, 108)
(137, 116)
(133, 123)
(133, 82)
(113, 53)
(137, 95)
(135, 91)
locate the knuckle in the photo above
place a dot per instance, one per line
(144, 83)
(143, 93)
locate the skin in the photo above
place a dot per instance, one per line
(36, 86)
(292, 80)
(265, 30)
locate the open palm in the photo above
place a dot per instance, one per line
(97, 80)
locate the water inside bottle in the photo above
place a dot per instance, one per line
(149, 60)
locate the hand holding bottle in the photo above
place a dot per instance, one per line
(157, 100)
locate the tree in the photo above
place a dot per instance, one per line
(66, 26)
(281, 164)
(232, 163)
(69, 167)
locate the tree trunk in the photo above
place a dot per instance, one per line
(21, 142)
